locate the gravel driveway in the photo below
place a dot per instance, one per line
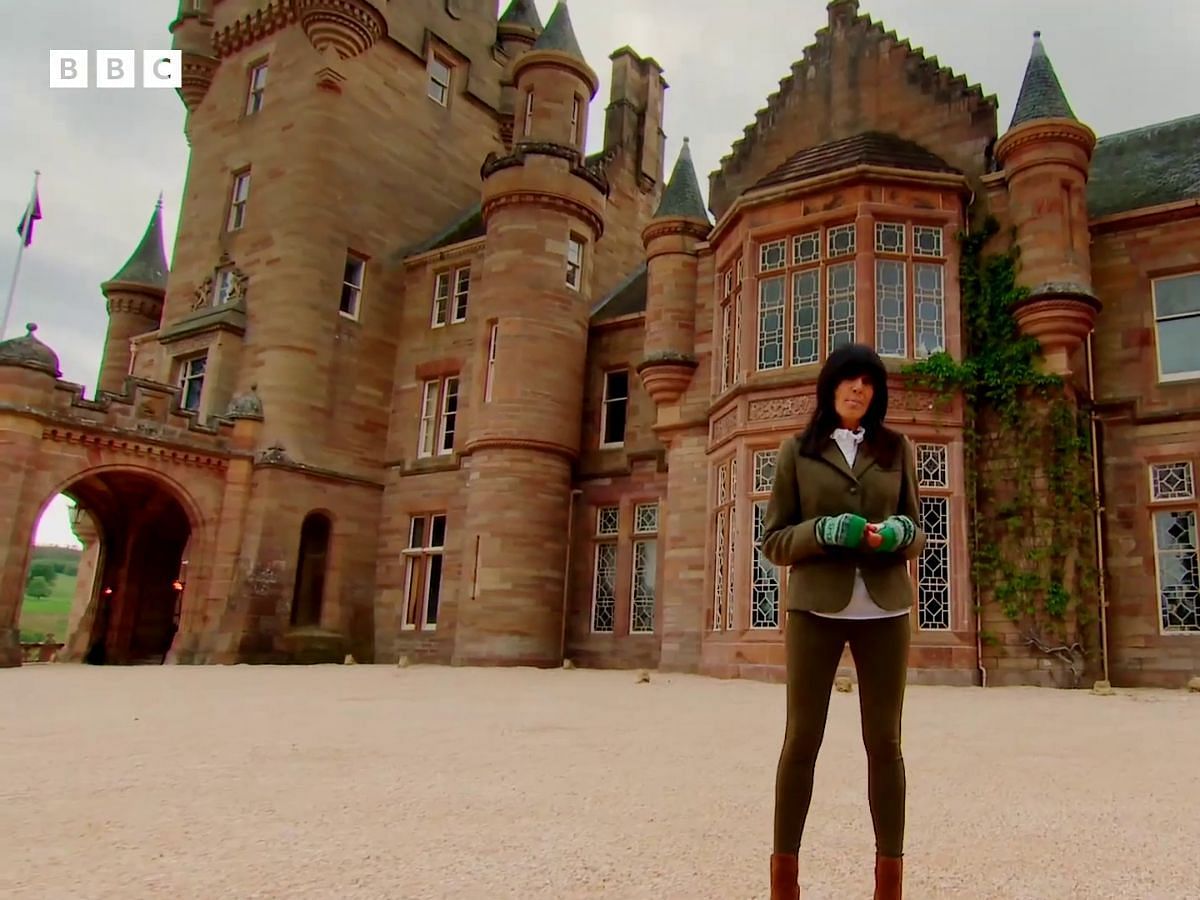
(428, 782)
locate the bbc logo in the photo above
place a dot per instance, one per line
(116, 68)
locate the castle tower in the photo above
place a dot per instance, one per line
(135, 302)
(516, 32)
(1046, 156)
(671, 239)
(544, 212)
(518, 28)
(192, 34)
(28, 373)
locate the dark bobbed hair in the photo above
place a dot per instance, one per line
(851, 361)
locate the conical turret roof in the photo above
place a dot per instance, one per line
(522, 12)
(147, 266)
(1041, 96)
(682, 196)
(560, 34)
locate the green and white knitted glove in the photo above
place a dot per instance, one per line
(897, 532)
(846, 530)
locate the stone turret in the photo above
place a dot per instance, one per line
(192, 33)
(518, 28)
(1046, 156)
(544, 212)
(135, 302)
(554, 87)
(679, 224)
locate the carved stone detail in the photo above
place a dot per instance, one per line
(782, 408)
(725, 425)
(237, 291)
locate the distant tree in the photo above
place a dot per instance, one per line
(38, 587)
(45, 569)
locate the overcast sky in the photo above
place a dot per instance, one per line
(105, 155)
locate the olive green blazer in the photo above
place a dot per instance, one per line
(822, 579)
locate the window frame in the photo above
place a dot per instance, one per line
(442, 98)
(643, 537)
(432, 428)
(943, 492)
(451, 306)
(183, 378)
(255, 99)
(1163, 377)
(420, 559)
(606, 401)
(1160, 505)
(235, 219)
(356, 290)
(605, 542)
(575, 266)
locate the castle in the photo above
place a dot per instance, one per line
(424, 379)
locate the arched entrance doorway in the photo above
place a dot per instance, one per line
(131, 613)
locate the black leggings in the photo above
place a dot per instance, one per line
(814, 648)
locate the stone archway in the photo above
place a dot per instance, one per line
(131, 613)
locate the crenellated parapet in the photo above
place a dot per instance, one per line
(533, 174)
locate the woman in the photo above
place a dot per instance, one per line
(843, 517)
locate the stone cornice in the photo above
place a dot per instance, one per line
(549, 201)
(135, 445)
(864, 173)
(1146, 216)
(1041, 131)
(676, 225)
(503, 443)
(255, 26)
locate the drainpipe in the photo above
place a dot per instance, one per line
(1098, 507)
(983, 674)
(562, 646)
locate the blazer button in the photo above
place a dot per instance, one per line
(853, 489)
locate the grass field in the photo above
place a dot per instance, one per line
(49, 615)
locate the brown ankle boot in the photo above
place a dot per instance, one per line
(785, 876)
(889, 877)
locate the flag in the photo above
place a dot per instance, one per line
(33, 212)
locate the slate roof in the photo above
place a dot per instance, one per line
(872, 148)
(559, 34)
(147, 265)
(1145, 167)
(467, 226)
(682, 196)
(1041, 95)
(627, 298)
(522, 12)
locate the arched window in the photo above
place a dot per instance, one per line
(309, 592)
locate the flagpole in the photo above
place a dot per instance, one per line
(12, 287)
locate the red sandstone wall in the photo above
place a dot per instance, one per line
(1145, 421)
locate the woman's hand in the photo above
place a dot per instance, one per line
(846, 530)
(893, 533)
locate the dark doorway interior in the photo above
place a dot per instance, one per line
(143, 532)
(309, 592)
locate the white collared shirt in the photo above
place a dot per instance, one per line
(861, 605)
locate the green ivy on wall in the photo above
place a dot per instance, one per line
(1029, 470)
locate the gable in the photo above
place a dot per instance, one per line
(859, 78)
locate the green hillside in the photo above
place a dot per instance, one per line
(48, 593)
